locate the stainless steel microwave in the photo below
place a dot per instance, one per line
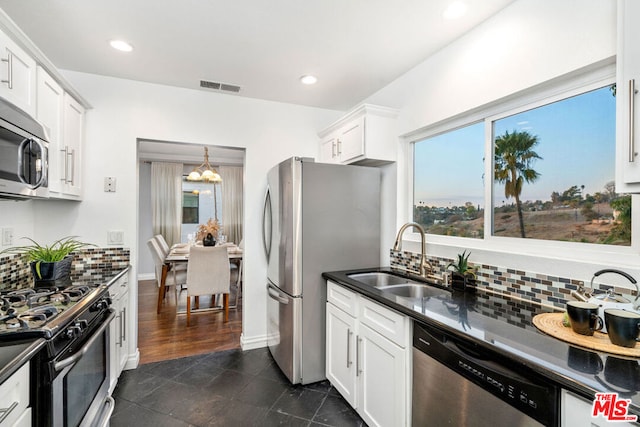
(24, 154)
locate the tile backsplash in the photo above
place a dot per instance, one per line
(90, 264)
(533, 286)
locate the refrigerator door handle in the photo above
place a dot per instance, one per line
(274, 294)
(266, 212)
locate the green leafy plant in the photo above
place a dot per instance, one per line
(462, 266)
(54, 252)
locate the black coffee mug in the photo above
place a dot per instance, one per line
(584, 361)
(623, 373)
(623, 326)
(584, 317)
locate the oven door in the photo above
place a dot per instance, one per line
(80, 388)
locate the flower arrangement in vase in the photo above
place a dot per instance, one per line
(207, 232)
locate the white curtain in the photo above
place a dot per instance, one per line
(166, 200)
(232, 202)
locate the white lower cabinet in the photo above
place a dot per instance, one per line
(576, 412)
(369, 357)
(14, 399)
(119, 349)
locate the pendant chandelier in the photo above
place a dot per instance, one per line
(204, 172)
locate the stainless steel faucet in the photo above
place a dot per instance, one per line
(423, 255)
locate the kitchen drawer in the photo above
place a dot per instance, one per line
(388, 323)
(342, 298)
(15, 389)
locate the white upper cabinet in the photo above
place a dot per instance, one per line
(627, 108)
(50, 100)
(366, 136)
(17, 75)
(73, 135)
(63, 118)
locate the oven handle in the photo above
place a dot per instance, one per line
(59, 366)
(4, 412)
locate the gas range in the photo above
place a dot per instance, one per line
(71, 373)
(42, 311)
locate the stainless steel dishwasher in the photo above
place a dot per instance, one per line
(458, 383)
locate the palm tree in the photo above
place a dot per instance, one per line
(513, 160)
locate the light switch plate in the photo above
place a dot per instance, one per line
(7, 236)
(109, 184)
(115, 237)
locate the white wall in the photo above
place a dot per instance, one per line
(125, 110)
(526, 44)
(18, 215)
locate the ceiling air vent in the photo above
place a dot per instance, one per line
(219, 86)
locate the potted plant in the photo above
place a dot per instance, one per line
(462, 275)
(49, 263)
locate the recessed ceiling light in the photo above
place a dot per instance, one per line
(455, 10)
(308, 79)
(121, 45)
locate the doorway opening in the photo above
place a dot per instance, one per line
(164, 335)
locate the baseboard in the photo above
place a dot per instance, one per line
(133, 360)
(147, 276)
(250, 343)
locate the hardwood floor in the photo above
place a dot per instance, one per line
(165, 336)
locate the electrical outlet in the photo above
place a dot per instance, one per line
(7, 236)
(115, 237)
(109, 184)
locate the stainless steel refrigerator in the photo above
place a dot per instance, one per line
(317, 217)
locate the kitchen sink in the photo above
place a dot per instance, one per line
(380, 279)
(412, 290)
(396, 285)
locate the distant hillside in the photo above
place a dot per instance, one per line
(565, 223)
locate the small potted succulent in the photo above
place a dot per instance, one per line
(49, 263)
(463, 276)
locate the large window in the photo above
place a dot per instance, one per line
(449, 182)
(551, 174)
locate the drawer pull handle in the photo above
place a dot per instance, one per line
(9, 62)
(632, 145)
(4, 412)
(349, 333)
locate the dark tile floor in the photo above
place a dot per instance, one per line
(228, 388)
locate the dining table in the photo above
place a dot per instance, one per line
(179, 254)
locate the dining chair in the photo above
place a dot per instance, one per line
(164, 246)
(178, 277)
(208, 273)
(162, 243)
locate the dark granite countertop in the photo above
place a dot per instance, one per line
(15, 354)
(505, 326)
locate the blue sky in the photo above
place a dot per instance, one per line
(577, 146)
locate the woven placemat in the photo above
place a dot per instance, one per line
(551, 324)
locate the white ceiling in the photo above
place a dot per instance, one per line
(354, 47)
